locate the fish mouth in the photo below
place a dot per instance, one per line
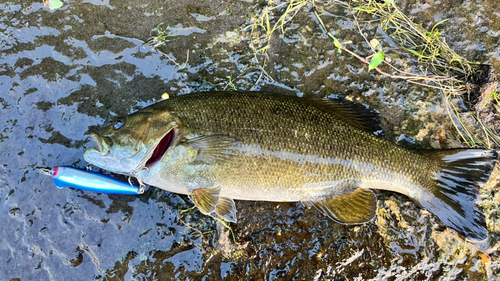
(96, 140)
(103, 144)
(161, 148)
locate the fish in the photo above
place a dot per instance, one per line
(217, 147)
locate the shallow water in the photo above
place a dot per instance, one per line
(67, 72)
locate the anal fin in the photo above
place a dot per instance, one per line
(206, 199)
(356, 207)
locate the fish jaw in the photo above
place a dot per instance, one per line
(103, 144)
(109, 161)
(113, 157)
(123, 160)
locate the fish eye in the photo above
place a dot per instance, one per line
(118, 124)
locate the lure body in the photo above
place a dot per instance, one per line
(85, 180)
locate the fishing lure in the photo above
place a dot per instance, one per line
(86, 180)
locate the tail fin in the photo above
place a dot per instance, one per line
(456, 189)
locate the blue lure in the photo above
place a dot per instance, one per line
(85, 180)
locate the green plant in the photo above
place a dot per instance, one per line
(230, 84)
(160, 36)
(493, 95)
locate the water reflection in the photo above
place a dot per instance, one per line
(54, 86)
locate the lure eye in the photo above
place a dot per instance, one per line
(118, 124)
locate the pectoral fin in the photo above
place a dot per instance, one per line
(211, 148)
(356, 207)
(226, 209)
(206, 199)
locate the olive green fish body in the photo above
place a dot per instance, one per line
(283, 149)
(255, 146)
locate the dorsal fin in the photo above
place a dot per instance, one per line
(353, 114)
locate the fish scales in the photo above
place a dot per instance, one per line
(308, 146)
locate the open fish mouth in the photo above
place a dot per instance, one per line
(161, 148)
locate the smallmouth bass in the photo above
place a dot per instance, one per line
(218, 147)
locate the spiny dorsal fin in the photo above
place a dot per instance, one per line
(226, 209)
(205, 199)
(353, 114)
(356, 207)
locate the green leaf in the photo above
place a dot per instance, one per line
(415, 52)
(376, 60)
(494, 95)
(445, 20)
(336, 43)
